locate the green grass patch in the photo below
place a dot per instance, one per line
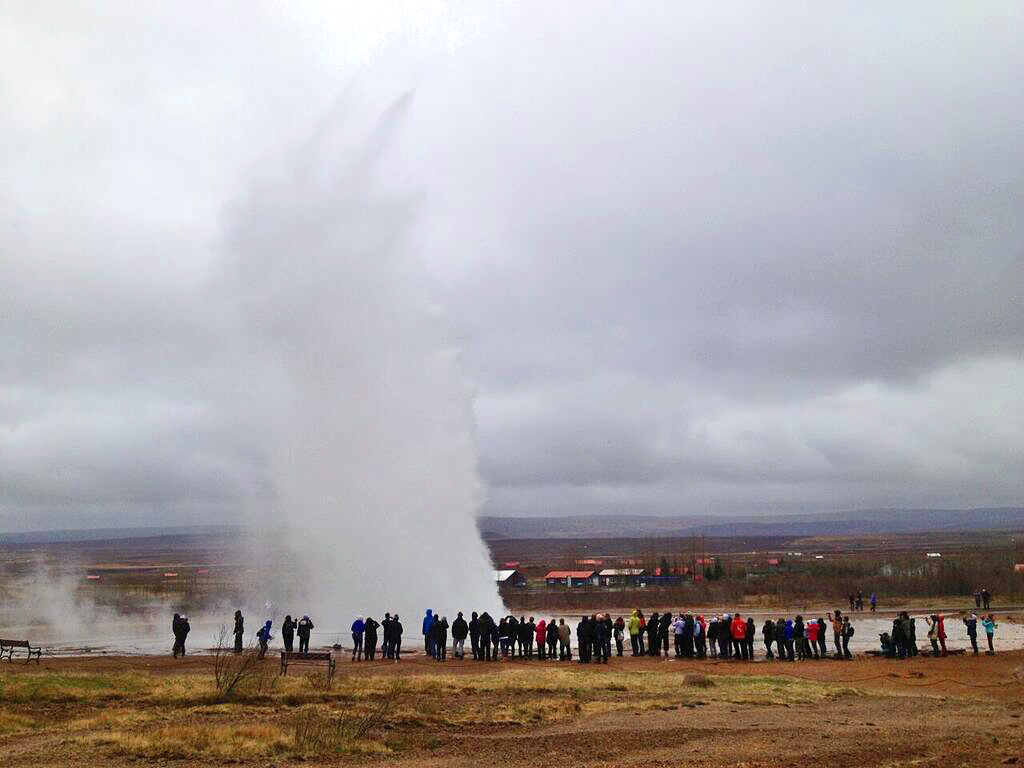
(57, 687)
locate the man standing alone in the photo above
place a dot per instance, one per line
(238, 631)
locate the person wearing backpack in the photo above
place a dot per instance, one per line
(847, 634)
(263, 636)
(304, 627)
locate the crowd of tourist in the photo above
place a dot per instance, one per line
(726, 636)
(902, 641)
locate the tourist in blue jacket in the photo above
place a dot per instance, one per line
(263, 636)
(357, 639)
(989, 623)
(427, 621)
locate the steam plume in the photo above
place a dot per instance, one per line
(349, 389)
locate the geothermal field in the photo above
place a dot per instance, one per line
(107, 689)
(531, 384)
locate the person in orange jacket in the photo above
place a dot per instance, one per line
(541, 633)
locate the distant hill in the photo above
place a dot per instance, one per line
(113, 534)
(855, 522)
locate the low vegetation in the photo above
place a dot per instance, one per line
(193, 740)
(183, 717)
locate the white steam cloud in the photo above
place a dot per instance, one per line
(346, 387)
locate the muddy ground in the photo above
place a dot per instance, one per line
(869, 712)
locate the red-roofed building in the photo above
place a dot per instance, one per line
(571, 578)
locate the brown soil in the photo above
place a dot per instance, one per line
(925, 712)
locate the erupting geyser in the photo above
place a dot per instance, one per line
(348, 390)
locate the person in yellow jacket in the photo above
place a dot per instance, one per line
(634, 625)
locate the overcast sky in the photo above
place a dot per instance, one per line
(695, 257)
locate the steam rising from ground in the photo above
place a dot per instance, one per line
(48, 596)
(347, 389)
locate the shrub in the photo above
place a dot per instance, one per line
(318, 731)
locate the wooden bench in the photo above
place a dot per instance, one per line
(307, 658)
(7, 650)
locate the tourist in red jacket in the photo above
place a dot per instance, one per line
(738, 629)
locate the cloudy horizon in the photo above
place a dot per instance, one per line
(692, 259)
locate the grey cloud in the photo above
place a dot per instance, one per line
(695, 258)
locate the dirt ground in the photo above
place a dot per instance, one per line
(116, 711)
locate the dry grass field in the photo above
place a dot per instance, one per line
(146, 710)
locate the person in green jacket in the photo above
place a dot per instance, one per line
(989, 623)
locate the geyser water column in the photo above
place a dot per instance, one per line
(348, 392)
